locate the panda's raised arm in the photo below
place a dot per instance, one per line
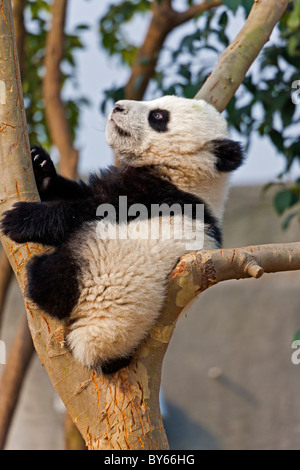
(52, 186)
(48, 223)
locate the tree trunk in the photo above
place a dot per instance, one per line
(22, 347)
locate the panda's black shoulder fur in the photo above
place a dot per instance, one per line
(144, 185)
(229, 154)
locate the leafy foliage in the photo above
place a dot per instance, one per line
(113, 36)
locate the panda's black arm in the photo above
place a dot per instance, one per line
(60, 188)
(52, 186)
(49, 223)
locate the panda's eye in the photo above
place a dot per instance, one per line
(159, 119)
(158, 116)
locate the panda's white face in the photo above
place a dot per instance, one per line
(184, 139)
(169, 130)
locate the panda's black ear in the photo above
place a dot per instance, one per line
(229, 154)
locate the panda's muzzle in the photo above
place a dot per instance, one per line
(121, 131)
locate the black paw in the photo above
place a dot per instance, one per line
(16, 222)
(43, 167)
(110, 367)
(52, 282)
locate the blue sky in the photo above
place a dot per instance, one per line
(97, 71)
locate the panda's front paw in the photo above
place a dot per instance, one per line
(17, 222)
(43, 167)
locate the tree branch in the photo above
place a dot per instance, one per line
(164, 20)
(198, 271)
(54, 107)
(235, 61)
(195, 10)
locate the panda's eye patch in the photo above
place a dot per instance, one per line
(159, 119)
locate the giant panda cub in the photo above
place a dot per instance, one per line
(105, 278)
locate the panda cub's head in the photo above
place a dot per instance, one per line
(170, 131)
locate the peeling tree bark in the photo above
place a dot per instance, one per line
(121, 411)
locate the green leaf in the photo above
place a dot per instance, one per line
(287, 112)
(276, 138)
(223, 19)
(282, 201)
(232, 4)
(286, 223)
(247, 4)
(82, 27)
(297, 336)
(294, 19)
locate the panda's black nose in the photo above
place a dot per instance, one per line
(118, 108)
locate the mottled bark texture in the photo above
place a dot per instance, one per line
(120, 411)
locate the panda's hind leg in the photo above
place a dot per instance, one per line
(53, 282)
(112, 366)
